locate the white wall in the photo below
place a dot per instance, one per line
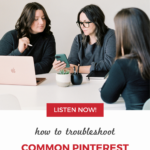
(63, 15)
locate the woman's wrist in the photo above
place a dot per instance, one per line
(84, 69)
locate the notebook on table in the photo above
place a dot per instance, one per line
(97, 75)
(18, 70)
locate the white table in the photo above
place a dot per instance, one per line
(36, 97)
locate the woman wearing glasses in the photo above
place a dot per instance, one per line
(31, 37)
(94, 49)
(130, 74)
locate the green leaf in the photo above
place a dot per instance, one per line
(64, 72)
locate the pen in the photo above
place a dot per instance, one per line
(78, 68)
(74, 69)
(30, 45)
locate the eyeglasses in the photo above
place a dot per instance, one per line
(85, 24)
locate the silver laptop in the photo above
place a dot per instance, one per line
(18, 70)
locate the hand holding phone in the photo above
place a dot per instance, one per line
(62, 58)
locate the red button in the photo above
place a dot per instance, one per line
(75, 110)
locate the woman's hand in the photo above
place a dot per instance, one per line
(23, 44)
(58, 65)
(71, 68)
(82, 69)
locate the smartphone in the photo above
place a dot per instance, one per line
(62, 57)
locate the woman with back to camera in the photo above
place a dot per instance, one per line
(95, 48)
(31, 37)
(130, 74)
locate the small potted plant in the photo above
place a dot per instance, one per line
(63, 78)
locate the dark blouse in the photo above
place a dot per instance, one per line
(43, 49)
(125, 79)
(99, 57)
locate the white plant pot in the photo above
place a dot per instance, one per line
(63, 79)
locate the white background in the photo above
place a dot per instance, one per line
(18, 128)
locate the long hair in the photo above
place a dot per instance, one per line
(27, 17)
(96, 16)
(133, 35)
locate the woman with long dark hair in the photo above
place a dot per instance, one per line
(94, 49)
(130, 74)
(31, 37)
